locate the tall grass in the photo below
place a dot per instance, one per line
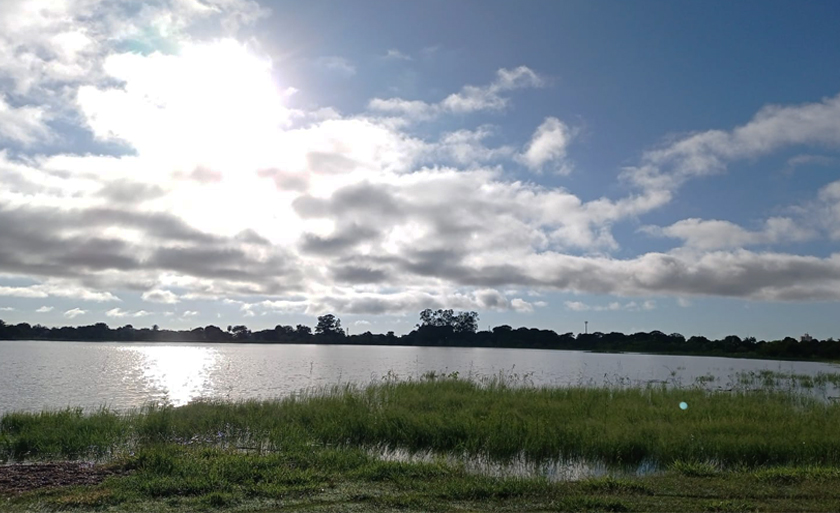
(491, 419)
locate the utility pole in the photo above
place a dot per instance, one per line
(585, 327)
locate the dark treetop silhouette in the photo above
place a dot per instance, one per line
(445, 328)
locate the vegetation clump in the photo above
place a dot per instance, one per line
(322, 451)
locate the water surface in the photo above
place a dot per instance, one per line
(35, 375)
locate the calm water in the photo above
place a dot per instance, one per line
(35, 375)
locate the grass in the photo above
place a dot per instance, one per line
(615, 426)
(320, 451)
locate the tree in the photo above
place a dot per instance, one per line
(461, 322)
(466, 322)
(215, 334)
(281, 330)
(303, 330)
(329, 325)
(241, 332)
(437, 318)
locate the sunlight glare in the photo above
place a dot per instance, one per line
(178, 373)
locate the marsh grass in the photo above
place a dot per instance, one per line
(400, 445)
(448, 415)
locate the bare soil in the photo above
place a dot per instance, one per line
(25, 477)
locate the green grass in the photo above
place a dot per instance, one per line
(616, 426)
(741, 451)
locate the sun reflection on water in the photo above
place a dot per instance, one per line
(177, 374)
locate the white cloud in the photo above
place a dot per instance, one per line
(705, 153)
(827, 209)
(44, 309)
(522, 306)
(263, 202)
(25, 125)
(394, 54)
(466, 147)
(469, 99)
(809, 161)
(189, 313)
(613, 306)
(362, 323)
(7, 309)
(548, 146)
(160, 296)
(717, 234)
(75, 312)
(118, 313)
(577, 306)
(21, 292)
(414, 109)
(337, 64)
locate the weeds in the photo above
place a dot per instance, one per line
(445, 414)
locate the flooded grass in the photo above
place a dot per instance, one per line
(490, 419)
(427, 443)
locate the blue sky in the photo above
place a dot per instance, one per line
(645, 165)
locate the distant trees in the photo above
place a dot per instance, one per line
(445, 328)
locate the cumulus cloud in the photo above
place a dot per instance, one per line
(548, 146)
(44, 309)
(160, 296)
(469, 99)
(119, 313)
(827, 209)
(717, 234)
(295, 211)
(57, 288)
(25, 125)
(520, 305)
(773, 128)
(22, 292)
(466, 148)
(75, 312)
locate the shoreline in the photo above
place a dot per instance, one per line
(766, 451)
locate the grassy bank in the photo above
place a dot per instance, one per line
(739, 451)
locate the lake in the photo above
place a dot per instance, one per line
(36, 375)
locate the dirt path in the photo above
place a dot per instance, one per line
(26, 477)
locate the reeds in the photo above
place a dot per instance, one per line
(619, 425)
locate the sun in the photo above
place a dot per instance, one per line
(203, 120)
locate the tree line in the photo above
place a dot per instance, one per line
(445, 328)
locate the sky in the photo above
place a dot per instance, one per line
(649, 165)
